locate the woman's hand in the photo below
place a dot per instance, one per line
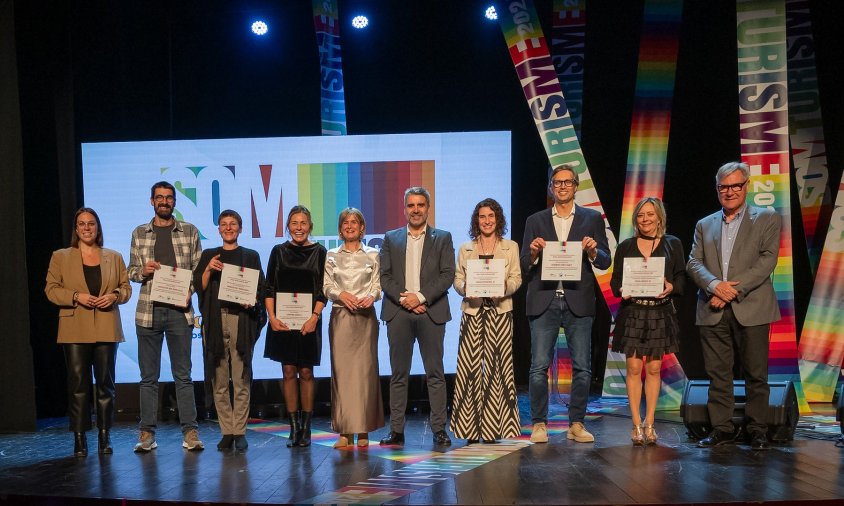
(278, 325)
(86, 300)
(105, 301)
(310, 325)
(349, 301)
(365, 301)
(668, 289)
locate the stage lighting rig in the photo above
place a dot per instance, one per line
(490, 13)
(360, 22)
(259, 28)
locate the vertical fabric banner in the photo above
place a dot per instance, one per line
(568, 45)
(763, 128)
(808, 149)
(821, 348)
(646, 160)
(332, 97)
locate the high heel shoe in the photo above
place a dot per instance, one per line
(305, 428)
(636, 436)
(363, 440)
(650, 434)
(295, 429)
(104, 443)
(343, 440)
(80, 444)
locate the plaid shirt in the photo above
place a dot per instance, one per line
(187, 248)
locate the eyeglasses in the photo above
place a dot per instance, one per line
(568, 183)
(162, 198)
(722, 188)
(83, 224)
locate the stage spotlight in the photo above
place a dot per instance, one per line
(490, 13)
(259, 28)
(360, 22)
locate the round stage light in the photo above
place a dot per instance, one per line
(360, 22)
(490, 13)
(259, 28)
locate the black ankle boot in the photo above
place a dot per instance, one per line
(305, 439)
(104, 441)
(80, 444)
(295, 429)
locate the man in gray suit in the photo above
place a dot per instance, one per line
(731, 261)
(417, 268)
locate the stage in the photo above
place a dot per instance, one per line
(37, 468)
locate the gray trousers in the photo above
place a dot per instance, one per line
(232, 410)
(402, 331)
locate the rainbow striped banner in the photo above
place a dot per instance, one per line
(808, 149)
(568, 44)
(646, 161)
(332, 97)
(763, 117)
(822, 341)
(328, 188)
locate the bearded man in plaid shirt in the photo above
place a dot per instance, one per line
(164, 241)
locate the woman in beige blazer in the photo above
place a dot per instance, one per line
(87, 282)
(484, 406)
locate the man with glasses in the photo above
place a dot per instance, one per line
(567, 304)
(732, 258)
(164, 241)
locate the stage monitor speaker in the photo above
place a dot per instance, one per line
(783, 412)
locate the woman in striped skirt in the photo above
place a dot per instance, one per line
(484, 406)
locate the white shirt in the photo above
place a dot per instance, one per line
(413, 263)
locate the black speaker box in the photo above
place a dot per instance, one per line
(783, 412)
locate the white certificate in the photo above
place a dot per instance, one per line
(238, 284)
(643, 278)
(293, 309)
(562, 261)
(485, 278)
(171, 285)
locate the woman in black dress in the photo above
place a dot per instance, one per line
(646, 328)
(297, 266)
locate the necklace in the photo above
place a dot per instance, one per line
(484, 250)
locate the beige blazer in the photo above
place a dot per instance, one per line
(504, 249)
(79, 324)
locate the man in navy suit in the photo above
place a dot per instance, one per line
(417, 269)
(734, 253)
(567, 304)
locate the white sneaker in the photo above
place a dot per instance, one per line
(539, 434)
(579, 433)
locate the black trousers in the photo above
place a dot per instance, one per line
(718, 357)
(80, 359)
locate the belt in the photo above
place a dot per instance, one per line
(651, 302)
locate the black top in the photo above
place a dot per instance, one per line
(299, 269)
(669, 247)
(164, 252)
(93, 278)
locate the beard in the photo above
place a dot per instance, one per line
(164, 211)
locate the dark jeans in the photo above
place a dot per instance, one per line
(80, 358)
(752, 344)
(170, 323)
(544, 330)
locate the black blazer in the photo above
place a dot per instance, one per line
(580, 295)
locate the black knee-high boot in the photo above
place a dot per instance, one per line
(295, 429)
(305, 440)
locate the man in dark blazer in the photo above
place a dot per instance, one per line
(417, 268)
(567, 304)
(732, 258)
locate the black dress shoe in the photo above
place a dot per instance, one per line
(759, 441)
(80, 444)
(716, 438)
(393, 438)
(226, 442)
(104, 443)
(441, 438)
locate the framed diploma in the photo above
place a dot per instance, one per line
(293, 309)
(643, 278)
(171, 285)
(238, 284)
(562, 261)
(485, 278)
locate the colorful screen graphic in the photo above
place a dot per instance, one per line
(263, 178)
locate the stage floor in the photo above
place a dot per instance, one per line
(37, 469)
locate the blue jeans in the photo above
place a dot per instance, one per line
(171, 323)
(544, 330)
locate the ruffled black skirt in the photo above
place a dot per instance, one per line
(649, 331)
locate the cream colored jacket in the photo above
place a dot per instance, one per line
(505, 249)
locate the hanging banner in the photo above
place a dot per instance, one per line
(332, 98)
(648, 151)
(763, 127)
(568, 44)
(822, 341)
(537, 76)
(808, 149)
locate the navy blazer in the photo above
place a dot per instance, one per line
(580, 295)
(435, 277)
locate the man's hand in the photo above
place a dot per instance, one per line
(725, 291)
(536, 246)
(409, 300)
(717, 303)
(150, 267)
(590, 246)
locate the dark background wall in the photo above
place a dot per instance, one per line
(119, 71)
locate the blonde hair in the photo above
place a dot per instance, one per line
(659, 208)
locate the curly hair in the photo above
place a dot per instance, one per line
(500, 220)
